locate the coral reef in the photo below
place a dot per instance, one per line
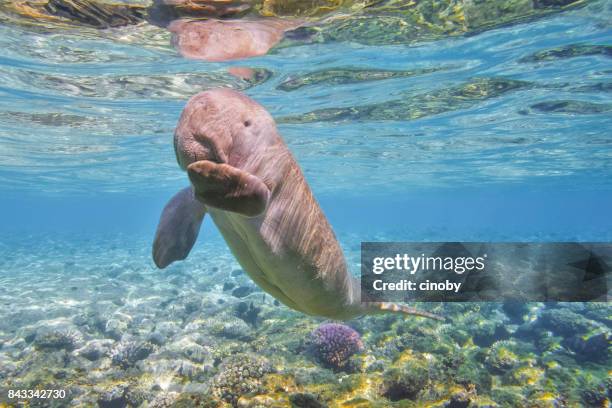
(591, 347)
(405, 382)
(239, 375)
(248, 313)
(95, 349)
(333, 344)
(58, 339)
(500, 358)
(128, 353)
(564, 322)
(179, 346)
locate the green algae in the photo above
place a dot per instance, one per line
(501, 359)
(563, 321)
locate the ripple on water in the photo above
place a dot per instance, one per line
(94, 110)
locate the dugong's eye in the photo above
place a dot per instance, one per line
(247, 123)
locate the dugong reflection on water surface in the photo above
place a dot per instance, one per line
(244, 176)
(222, 30)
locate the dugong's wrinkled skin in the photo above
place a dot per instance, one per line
(244, 176)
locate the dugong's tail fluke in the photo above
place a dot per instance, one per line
(387, 307)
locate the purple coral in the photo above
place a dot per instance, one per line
(333, 344)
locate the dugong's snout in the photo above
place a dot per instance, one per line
(205, 130)
(197, 147)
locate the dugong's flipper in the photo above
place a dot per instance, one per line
(228, 188)
(178, 228)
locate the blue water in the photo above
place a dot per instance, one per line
(87, 162)
(86, 127)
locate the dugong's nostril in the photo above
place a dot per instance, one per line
(212, 151)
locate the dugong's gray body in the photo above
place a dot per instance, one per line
(244, 176)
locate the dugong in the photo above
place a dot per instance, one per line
(243, 175)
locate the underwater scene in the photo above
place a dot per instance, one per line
(406, 121)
